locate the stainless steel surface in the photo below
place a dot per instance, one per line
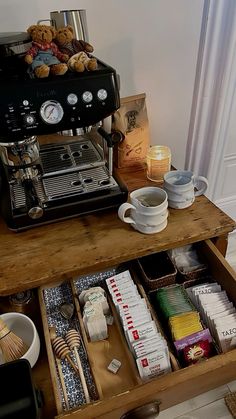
(67, 170)
(65, 185)
(20, 154)
(81, 182)
(77, 131)
(110, 160)
(18, 193)
(75, 18)
(148, 411)
(67, 310)
(26, 173)
(68, 157)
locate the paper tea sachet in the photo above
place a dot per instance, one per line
(96, 310)
(144, 340)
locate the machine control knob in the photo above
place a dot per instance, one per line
(29, 119)
(102, 94)
(35, 212)
(72, 99)
(51, 112)
(87, 97)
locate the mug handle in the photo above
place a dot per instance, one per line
(202, 179)
(122, 210)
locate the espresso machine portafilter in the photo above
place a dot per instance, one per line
(20, 160)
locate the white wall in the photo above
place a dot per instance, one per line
(152, 44)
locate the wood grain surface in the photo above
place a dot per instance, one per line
(89, 243)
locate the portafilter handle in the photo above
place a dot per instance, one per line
(20, 154)
(32, 202)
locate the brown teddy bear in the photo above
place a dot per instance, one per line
(77, 50)
(44, 56)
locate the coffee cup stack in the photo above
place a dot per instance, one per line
(148, 210)
(180, 186)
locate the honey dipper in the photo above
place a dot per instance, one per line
(73, 340)
(62, 351)
(53, 335)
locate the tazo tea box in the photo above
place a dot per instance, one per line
(226, 336)
(132, 121)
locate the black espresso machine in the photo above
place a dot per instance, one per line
(42, 183)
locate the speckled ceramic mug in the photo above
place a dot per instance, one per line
(148, 210)
(180, 186)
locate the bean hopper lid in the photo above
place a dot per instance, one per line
(13, 37)
(14, 43)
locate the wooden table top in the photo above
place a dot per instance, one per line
(94, 242)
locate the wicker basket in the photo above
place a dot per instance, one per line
(197, 272)
(156, 271)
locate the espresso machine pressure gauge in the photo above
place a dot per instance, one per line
(51, 112)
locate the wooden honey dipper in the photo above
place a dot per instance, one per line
(73, 340)
(53, 336)
(62, 351)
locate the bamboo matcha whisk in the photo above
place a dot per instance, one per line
(11, 345)
(73, 340)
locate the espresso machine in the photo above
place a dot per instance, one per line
(43, 182)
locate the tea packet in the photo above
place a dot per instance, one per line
(144, 340)
(153, 364)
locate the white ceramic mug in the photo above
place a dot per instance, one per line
(148, 207)
(180, 187)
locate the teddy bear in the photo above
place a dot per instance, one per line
(44, 56)
(77, 50)
(81, 61)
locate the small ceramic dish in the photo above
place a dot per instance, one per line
(22, 326)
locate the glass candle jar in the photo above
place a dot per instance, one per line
(158, 162)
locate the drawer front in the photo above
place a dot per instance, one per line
(169, 390)
(179, 385)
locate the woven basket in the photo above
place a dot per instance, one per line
(156, 271)
(192, 275)
(230, 400)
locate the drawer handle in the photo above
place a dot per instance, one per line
(150, 411)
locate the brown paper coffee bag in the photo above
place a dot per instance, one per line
(132, 121)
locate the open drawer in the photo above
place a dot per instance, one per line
(181, 384)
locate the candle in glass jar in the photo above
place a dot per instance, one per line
(158, 162)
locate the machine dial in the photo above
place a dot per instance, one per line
(72, 99)
(51, 112)
(87, 97)
(29, 119)
(102, 94)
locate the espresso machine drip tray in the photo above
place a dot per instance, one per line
(67, 157)
(83, 182)
(66, 185)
